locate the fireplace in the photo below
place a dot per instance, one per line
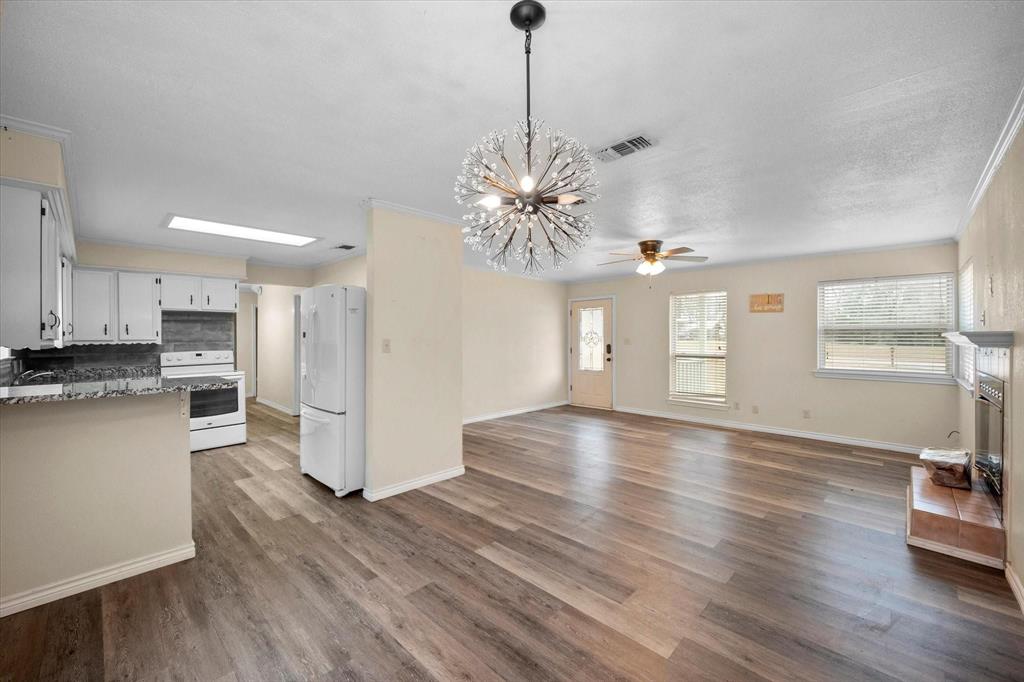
(988, 434)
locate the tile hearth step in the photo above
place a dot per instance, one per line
(961, 523)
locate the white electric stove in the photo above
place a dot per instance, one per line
(217, 416)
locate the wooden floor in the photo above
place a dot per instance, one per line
(580, 545)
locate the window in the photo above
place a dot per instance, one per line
(591, 342)
(965, 317)
(888, 327)
(697, 328)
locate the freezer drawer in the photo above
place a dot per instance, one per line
(322, 446)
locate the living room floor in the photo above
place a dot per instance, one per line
(580, 544)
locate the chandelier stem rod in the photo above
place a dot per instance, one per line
(529, 123)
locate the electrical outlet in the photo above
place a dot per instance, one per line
(807, 414)
(385, 346)
(755, 409)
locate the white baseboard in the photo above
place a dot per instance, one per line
(277, 406)
(405, 486)
(509, 413)
(87, 581)
(1015, 584)
(761, 428)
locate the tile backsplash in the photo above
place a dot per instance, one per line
(181, 331)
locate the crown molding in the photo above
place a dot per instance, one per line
(1006, 137)
(63, 138)
(402, 208)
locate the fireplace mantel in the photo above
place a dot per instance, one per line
(980, 339)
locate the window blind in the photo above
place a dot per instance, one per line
(965, 314)
(697, 344)
(886, 325)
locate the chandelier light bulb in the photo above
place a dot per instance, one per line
(527, 183)
(644, 268)
(568, 199)
(490, 201)
(657, 267)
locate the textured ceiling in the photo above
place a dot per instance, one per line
(780, 128)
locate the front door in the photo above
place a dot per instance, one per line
(591, 353)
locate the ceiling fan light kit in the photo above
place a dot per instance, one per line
(651, 257)
(525, 208)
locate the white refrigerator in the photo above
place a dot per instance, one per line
(332, 351)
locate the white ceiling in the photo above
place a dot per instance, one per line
(780, 128)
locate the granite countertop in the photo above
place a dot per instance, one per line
(105, 383)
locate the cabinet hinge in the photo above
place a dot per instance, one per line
(42, 326)
(42, 210)
(159, 301)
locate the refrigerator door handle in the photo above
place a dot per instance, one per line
(311, 418)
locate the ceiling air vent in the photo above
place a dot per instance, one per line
(344, 247)
(624, 148)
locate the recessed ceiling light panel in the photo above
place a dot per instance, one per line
(238, 231)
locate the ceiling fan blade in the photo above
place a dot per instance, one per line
(622, 253)
(688, 259)
(676, 251)
(622, 260)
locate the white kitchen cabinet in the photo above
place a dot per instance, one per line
(138, 307)
(94, 305)
(49, 280)
(180, 292)
(220, 295)
(67, 297)
(30, 293)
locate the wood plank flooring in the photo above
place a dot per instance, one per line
(580, 545)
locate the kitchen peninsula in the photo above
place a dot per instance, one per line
(95, 481)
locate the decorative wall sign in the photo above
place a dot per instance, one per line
(766, 303)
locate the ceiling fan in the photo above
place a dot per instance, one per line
(651, 256)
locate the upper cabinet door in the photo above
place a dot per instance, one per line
(93, 305)
(180, 292)
(220, 295)
(138, 309)
(20, 258)
(67, 297)
(49, 269)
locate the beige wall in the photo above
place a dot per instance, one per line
(257, 273)
(157, 260)
(994, 243)
(247, 301)
(276, 340)
(348, 271)
(414, 392)
(513, 343)
(772, 356)
(87, 485)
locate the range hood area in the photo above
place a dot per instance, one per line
(980, 339)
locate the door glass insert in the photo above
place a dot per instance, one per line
(591, 342)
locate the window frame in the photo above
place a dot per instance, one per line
(699, 400)
(881, 375)
(964, 325)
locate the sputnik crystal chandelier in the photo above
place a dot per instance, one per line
(531, 215)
